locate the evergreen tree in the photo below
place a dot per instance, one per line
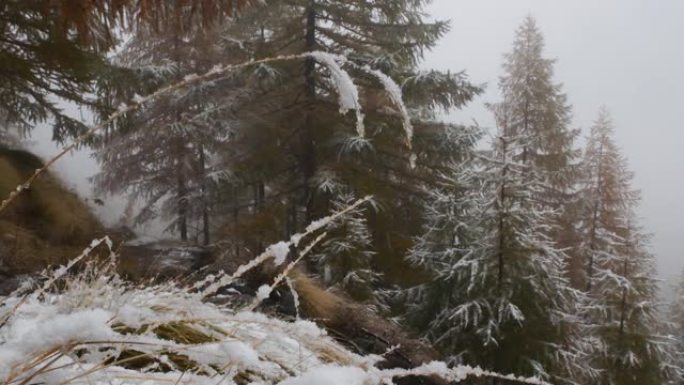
(344, 259)
(498, 298)
(317, 144)
(163, 155)
(52, 52)
(621, 289)
(285, 139)
(676, 317)
(539, 110)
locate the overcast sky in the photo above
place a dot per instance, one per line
(626, 54)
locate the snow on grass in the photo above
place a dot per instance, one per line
(40, 327)
(97, 329)
(93, 328)
(150, 335)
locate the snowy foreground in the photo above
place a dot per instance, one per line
(93, 328)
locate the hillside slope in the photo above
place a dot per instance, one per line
(47, 224)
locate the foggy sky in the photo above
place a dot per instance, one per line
(625, 54)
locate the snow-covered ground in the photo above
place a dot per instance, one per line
(91, 327)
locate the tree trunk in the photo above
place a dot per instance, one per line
(623, 303)
(205, 199)
(182, 203)
(308, 159)
(502, 198)
(182, 187)
(236, 215)
(594, 222)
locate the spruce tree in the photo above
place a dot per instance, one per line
(498, 298)
(621, 289)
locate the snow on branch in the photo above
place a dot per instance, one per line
(347, 92)
(348, 96)
(395, 94)
(455, 374)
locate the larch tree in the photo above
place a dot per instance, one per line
(538, 109)
(284, 140)
(344, 259)
(162, 155)
(42, 60)
(621, 308)
(52, 52)
(447, 235)
(676, 319)
(292, 143)
(494, 239)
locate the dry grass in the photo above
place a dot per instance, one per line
(93, 328)
(317, 302)
(172, 334)
(47, 225)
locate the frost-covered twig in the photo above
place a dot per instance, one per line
(265, 290)
(54, 276)
(295, 295)
(59, 273)
(278, 251)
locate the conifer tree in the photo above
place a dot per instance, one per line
(163, 154)
(676, 318)
(52, 52)
(539, 110)
(495, 238)
(42, 60)
(621, 289)
(344, 259)
(317, 145)
(499, 298)
(286, 140)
